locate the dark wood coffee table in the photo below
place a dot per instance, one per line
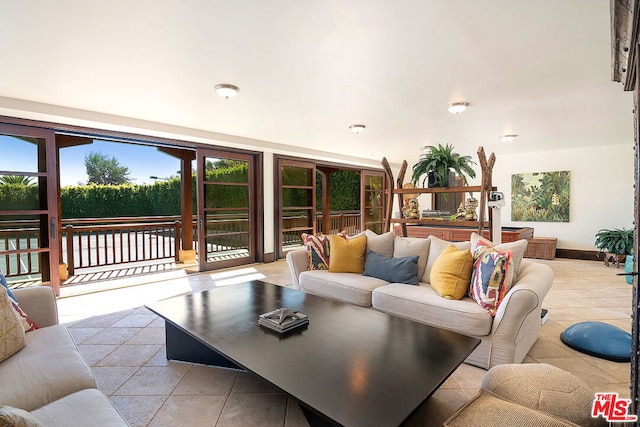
(351, 365)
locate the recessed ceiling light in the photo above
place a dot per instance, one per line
(508, 138)
(357, 128)
(226, 90)
(457, 107)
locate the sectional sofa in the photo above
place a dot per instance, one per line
(47, 382)
(507, 335)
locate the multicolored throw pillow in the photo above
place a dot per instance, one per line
(488, 276)
(318, 249)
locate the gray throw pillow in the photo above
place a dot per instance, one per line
(394, 270)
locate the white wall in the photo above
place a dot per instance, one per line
(601, 196)
(601, 178)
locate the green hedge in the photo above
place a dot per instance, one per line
(163, 197)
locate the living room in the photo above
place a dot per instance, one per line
(306, 73)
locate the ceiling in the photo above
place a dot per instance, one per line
(308, 69)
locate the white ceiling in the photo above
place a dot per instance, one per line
(308, 69)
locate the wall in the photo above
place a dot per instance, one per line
(601, 178)
(602, 190)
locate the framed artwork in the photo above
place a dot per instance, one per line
(540, 196)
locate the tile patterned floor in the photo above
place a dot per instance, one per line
(124, 344)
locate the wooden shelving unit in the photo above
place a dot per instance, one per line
(484, 189)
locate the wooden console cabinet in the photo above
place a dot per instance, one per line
(455, 233)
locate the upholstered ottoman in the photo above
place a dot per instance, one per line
(529, 394)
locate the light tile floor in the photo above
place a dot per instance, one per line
(124, 344)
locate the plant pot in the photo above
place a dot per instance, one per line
(628, 268)
(433, 179)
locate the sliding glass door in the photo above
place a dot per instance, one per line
(29, 249)
(226, 209)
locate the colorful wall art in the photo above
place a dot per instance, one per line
(540, 196)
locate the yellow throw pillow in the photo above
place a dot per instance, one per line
(347, 256)
(451, 273)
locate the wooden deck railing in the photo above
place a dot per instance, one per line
(20, 247)
(101, 245)
(95, 242)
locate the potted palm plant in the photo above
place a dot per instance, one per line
(435, 164)
(617, 244)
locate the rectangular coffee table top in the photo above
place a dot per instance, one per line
(356, 366)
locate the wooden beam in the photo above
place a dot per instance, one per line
(400, 182)
(486, 171)
(386, 225)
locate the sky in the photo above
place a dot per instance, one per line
(142, 161)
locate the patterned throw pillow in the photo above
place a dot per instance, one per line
(318, 249)
(488, 277)
(11, 329)
(28, 324)
(16, 417)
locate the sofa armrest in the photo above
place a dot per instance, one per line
(298, 262)
(39, 302)
(523, 303)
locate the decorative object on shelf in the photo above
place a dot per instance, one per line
(439, 161)
(283, 320)
(616, 244)
(411, 209)
(470, 206)
(540, 196)
(461, 212)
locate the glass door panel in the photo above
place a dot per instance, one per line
(29, 250)
(372, 193)
(225, 209)
(297, 203)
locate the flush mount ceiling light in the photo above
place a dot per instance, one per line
(226, 90)
(357, 128)
(508, 138)
(457, 107)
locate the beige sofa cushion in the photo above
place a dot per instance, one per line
(423, 304)
(348, 287)
(407, 246)
(380, 243)
(83, 408)
(489, 410)
(48, 368)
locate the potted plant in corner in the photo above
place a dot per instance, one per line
(616, 244)
(435, 164)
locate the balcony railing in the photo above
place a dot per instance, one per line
(93, 242)
(102, 245)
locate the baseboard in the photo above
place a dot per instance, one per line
(269, 257)
(579, 254)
